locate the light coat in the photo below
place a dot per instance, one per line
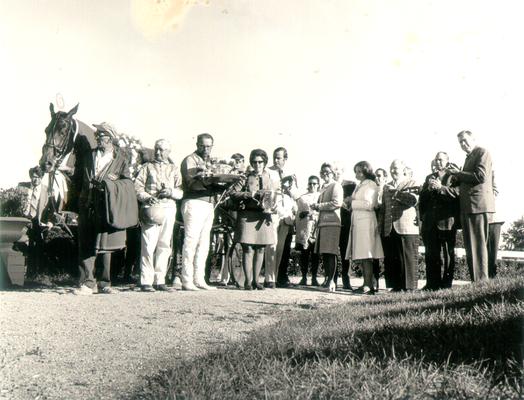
(398, 210)
(306, 226)
(364, 239)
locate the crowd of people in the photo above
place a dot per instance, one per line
(380, 216)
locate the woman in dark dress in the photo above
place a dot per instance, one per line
(254, 228)
(328, 234)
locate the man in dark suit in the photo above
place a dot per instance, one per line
(37, 199)
(439, 212)
(345, 220)
(477, 203)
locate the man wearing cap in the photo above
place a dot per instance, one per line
(238, 164)
(198, 213)
(158, 185)
(94, 169)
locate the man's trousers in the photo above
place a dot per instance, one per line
(87, 270)
(273, 253)
(307, 254)
(475, 229)
(198, 221)
(400, 261)
(155, 249)
(437, 242)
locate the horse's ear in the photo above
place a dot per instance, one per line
(73, 111)
(52, 109)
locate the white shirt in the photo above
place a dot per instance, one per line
(102, 160)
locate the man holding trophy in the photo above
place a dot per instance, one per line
(198, 213)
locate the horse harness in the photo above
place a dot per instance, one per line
(60, 152)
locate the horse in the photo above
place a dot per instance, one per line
(65, 137)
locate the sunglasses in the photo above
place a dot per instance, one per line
(103, 137)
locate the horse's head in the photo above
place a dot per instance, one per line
(59, 138)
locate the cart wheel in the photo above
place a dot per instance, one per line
(234, 260)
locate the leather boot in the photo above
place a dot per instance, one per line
(328, 273)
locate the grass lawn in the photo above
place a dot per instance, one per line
(457, 344)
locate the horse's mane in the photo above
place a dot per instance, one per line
(87, 132)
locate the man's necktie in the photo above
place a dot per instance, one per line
(33, 204)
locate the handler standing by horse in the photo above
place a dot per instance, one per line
(107, 205)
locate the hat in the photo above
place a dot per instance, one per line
(105, 129)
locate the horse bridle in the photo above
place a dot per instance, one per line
(63, 148)
(59, 152)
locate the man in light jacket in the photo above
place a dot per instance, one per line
(277, 255)
(158, 185)
(399, 227)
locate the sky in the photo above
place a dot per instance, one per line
(330, 80)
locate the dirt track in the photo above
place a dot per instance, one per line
(58, 345)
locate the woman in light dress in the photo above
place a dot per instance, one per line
(364, 244)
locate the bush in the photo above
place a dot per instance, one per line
(12, 202)
(514, 236)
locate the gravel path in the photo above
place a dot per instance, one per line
(55, 345)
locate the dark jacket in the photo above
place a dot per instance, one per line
(246, 193)
(86, 180)
(120, 203)
(476, 183)
(345, 215)
(95, 233)
(440, 208)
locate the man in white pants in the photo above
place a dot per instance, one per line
(198, 212)
(158, 185)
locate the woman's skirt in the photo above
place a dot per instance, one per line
(327, 240)
(255, 227)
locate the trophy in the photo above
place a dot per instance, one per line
(267, 200)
